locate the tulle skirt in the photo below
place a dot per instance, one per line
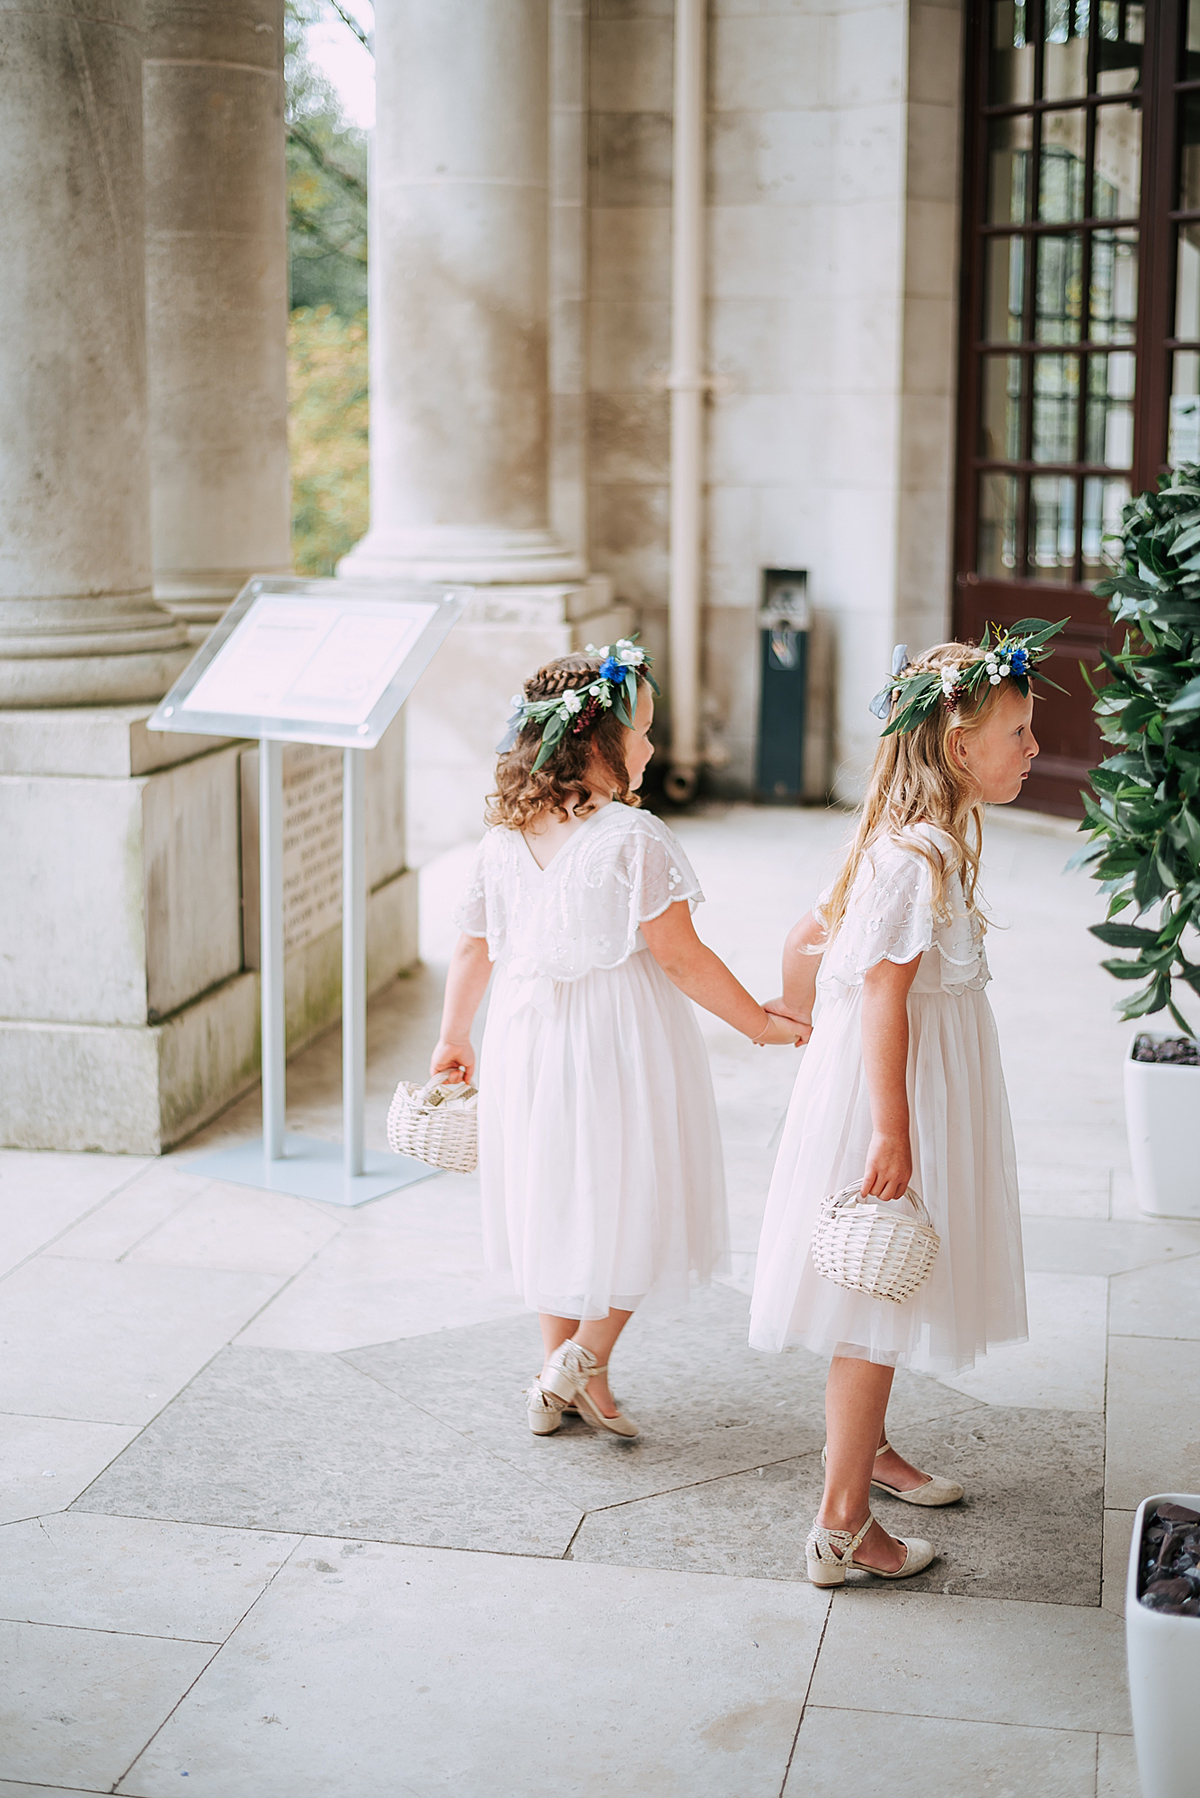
(964, 1167)
(599, 1153)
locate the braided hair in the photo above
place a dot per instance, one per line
(560, 784)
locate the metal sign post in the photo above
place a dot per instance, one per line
(312, 662)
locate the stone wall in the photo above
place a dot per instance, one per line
(833, 184)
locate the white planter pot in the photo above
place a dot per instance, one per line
(1162, 1117)
(1164, 1678)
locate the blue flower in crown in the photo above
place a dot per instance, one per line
(612, 688)
(1020, 661)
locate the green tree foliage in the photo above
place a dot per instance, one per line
(1143, 819)
(327, 337)
(326, 180)
(327, 429)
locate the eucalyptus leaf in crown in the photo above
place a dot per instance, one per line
(1142, 815)
(613, 687)
(1003, 655)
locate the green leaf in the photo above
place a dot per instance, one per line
(1187, 699)
(1153, 999)
(1127, 970)
(1124, 936)
(1147, 882)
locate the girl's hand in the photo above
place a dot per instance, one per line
(452, 1058)
(889, 1167)
(779, 1008)
(780, 1033)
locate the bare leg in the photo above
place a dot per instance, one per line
(597, 1335)
(897, 1471)
(556, 1331)
(856, 1398)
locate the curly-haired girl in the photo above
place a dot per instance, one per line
(599, 1157)
(902, 1084)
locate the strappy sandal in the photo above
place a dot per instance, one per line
(830, 1552)
(567, 1373)
(545, 1409)
(934, 1491)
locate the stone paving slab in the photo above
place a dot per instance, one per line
(136, 1576)
(1153, 1418)
(43, 1193)
(266, 1439)
(981, 1659)
(1116, 1768)
(76, 1706)
(1095, 1246)
(376, 1670)
(706, 1403)
(1158, 1301)
(1034, 1479)
(881, 1755)
(105, 1342)
(46, 1462)
(10, 1788)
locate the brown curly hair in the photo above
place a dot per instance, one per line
(559, 786)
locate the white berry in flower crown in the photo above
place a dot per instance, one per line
(612, 688)
(1006, 655)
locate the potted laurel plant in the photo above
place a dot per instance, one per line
(1143, 823)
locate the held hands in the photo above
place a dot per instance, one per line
(453, 1058)
(801, 1021)
(779, 1033)
(889, 1166)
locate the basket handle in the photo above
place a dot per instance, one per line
(464, 1091)
(853, 1195)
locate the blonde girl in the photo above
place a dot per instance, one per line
(901, 1084)
(600, 1161)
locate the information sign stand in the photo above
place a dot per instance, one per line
(327, 662)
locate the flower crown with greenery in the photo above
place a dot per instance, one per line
(1008, 655)
(612, 687)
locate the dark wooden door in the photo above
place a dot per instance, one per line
(1081, 273)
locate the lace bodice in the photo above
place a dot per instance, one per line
(582, 912)
(890, 918)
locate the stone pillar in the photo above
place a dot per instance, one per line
(460, 357)
(216, 300)
(460, 296)
(78, 623)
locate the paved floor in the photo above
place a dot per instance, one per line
(273, 1523)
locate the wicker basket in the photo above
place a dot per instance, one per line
(437, 1122)
(867, 1246)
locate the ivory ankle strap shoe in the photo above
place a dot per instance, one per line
(545, 1409)
(933, 1491)
(567, 1373)
(830, 1552)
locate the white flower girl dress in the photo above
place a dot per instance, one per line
(964, 1162)
(599, 1153)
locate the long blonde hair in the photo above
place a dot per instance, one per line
(916, 781)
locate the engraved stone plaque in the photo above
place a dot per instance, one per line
(312, 846)
(312, 843)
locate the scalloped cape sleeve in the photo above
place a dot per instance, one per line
(657, 870)
(889, 918)
(471, 913)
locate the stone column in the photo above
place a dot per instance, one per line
(216, 300)
(78, 623)
(459, 296)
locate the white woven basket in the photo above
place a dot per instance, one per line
(868, 1246)
(437, 1122)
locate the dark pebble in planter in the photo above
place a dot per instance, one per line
(1169, 1579)
(1171, 1051)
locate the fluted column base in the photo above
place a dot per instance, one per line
(478, 555)
(115, 650)
(200, 598)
